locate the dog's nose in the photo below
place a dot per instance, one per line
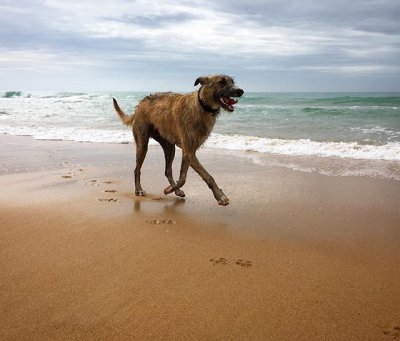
(240, 92)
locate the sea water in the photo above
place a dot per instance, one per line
(341, 127)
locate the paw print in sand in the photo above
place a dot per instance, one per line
(393, 333)
(221, 261)
(244, 263)
(160, 221)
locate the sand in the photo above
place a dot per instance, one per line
(295, 255)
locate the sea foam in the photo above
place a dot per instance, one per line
(354, 150)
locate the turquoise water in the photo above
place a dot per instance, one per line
(345, 125)
(366, 118)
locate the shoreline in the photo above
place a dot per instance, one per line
(295, 255)
(331, 161)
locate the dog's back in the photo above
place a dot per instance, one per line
(173, 116)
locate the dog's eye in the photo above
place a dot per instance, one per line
(222, 81)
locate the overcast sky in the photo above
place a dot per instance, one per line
(272, 45)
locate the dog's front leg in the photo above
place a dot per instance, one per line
(182, 175)
(218, 194)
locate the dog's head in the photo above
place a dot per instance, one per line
(218, 90)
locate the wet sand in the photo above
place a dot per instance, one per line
(294, 256)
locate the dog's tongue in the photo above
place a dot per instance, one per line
(230, 101)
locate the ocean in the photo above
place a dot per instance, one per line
(330, 133)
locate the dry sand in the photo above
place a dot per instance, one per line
(295, 256)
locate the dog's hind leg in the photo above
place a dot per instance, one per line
(182, 175)
(169, 153)
(142, 141)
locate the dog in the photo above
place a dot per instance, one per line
(184, 120)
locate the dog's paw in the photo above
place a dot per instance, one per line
(140, 193)
(223, 200)
(179, 193)
(168, 190)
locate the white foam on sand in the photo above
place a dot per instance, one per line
(354, 150)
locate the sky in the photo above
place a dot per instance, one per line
(272, 45)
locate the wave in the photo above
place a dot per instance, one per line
(324, 99)
(11, 94)
(392, 101)
(69, 94)
(70, 134)
(375, 130)
(324, 110)
(60, 95)
(353, 150)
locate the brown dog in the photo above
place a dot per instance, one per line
(182, 120)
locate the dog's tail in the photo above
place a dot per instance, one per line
(124, 117)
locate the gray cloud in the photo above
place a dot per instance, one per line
(271, 45)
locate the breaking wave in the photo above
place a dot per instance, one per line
(11, 94)
(353, 150)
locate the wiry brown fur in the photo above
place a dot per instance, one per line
(179, 119)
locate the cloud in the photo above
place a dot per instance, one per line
(355, 69)
(326, 37)
(42, 60)
(186, 28)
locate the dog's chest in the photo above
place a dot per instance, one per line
(202, 128)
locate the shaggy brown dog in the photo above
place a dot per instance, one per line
(182, 120)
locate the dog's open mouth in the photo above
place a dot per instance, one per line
(227, 103)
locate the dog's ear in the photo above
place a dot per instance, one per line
(201, 80)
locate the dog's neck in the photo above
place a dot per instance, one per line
(205, 106)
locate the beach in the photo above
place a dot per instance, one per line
(296, 255)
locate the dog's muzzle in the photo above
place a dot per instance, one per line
(227, 103)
